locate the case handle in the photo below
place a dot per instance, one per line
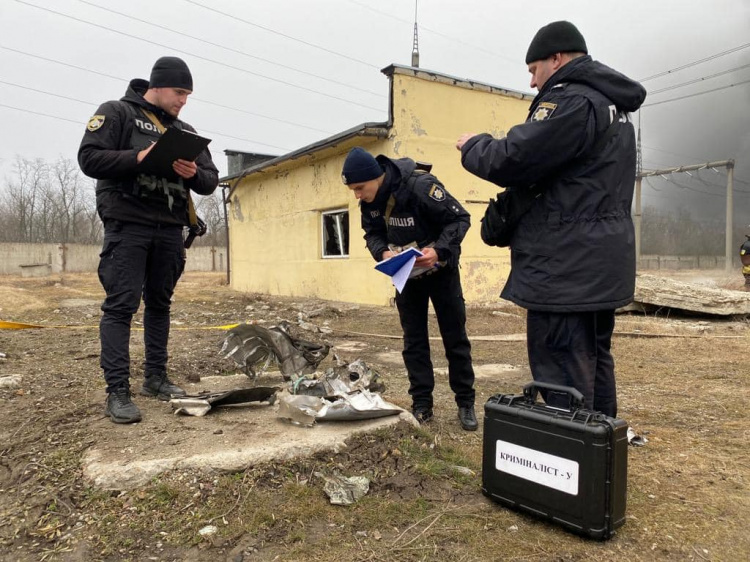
(531, 389)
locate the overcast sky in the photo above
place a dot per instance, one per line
(273, 76)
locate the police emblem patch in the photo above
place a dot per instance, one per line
(95, 123)
(437, 193)
(544, 111)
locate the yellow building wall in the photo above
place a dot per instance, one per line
(275, 230)
(428, 118)
(275, 214)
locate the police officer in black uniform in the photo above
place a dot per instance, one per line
(143, 253)
(405, 206)
(573, 253)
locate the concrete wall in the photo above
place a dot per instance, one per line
(682, 262)
(275, 213)
(26, 259)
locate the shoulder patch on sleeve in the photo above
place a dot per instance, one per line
(95, 123)
(437, 192)
(544, 111)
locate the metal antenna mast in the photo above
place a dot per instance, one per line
(415, 46)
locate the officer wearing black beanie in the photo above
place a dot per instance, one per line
(403, 205)
(171, 72)
(573, 252)
(557, 37)
(144, 218)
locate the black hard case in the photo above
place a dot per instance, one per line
(525, 432)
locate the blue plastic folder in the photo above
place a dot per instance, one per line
(399, 267)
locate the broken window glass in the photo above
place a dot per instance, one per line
(335, 231)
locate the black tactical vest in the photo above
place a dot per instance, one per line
(143, 132)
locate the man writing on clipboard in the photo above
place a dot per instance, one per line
(144, 216)
(403, 205)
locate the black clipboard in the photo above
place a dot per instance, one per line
(173, 144)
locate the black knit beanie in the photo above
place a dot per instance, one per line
(171, 72)
(557, 37)
(360, 166)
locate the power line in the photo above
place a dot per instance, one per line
(735, 178)
(290, 84)
(90, 104)
(676, 154)
(39, 113)
(688, 65)
(63, 63)
(192, 97)
(497, 55)
(698, 94)
(268, 29)
(231, 49)
(711, 193)
(46, 93)
(654, 92)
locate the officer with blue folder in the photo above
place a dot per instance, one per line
(404, 206)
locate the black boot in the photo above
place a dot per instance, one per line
(158, 385)
(422, 413)
(468, 418)
(120, 408)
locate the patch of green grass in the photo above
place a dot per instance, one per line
(436, 461)
(163, 495)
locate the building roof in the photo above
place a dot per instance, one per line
(454, 81)
(377, 130)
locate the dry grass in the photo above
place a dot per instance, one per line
(687, 489)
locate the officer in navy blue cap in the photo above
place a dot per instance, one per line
(403, 205)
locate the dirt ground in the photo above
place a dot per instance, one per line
(683, 384)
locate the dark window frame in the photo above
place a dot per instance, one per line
(340, 223)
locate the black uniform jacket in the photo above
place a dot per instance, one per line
(423, 212)
(109, 152)
(575, 249)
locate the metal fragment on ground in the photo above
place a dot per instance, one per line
(343, 490)
(201, 404)
(300, 410)
(342, 379)
(252, 345)
(358, 405)
(634, 439)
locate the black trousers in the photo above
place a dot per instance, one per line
(574, 349)
(443, 288)
(137, 260)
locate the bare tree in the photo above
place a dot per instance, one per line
(55, 203)
(45, 202)
(211, 210)
(21, 197)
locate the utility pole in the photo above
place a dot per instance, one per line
(730, 215)
(638, 212)
(729, 165)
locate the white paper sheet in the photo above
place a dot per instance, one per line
(400, 278)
